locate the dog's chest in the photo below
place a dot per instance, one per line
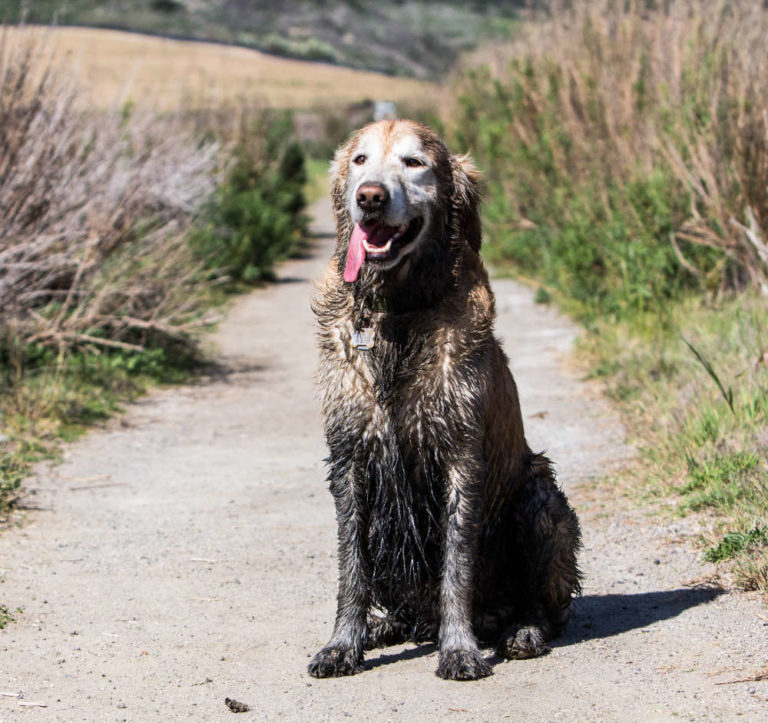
(405, 476)
(392, 390)
(404, 391)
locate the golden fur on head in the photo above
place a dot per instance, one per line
(448, 523)
(455, 178)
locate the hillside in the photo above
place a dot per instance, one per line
(114, 67)
(420, 38)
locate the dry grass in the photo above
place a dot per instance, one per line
(116, 67)
(93, 211)
(609, 94)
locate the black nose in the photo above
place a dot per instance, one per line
(372, 197)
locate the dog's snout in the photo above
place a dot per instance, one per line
(372, 197)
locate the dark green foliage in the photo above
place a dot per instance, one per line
(736, 542)
(256, 218)
(166, 6)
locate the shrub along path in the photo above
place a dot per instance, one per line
(187, 554)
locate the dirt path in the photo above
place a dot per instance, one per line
(186, 554)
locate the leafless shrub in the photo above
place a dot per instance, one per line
(93, 212)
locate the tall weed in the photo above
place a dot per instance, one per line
(625, 147)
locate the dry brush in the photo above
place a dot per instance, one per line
(94, 207)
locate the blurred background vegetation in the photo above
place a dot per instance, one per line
(420, 38)
(625, 153)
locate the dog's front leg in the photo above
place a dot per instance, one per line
(460, 657)
(343, 655)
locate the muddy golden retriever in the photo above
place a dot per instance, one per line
(449, 527)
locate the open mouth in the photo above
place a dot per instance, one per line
(382, 242)
(378, 243)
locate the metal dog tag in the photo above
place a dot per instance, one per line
(364, 339)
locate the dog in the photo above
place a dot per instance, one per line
(450, 529)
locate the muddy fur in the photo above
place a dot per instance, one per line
(450, 528)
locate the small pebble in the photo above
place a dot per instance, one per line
(236, 706)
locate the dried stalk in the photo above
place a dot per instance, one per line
(94, 208)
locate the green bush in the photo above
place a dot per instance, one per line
(256, 218)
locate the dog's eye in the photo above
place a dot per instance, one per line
(413, 162)
(359, 160)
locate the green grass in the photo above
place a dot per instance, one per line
(693, 387)
(6, 616)
(47, 400)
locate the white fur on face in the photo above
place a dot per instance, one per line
(412, 189)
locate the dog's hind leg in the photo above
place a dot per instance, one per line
(385, 631)
(547, 540)
(343, 655)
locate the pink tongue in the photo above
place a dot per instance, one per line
(355, 254)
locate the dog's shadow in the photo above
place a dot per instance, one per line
(597, 616)
(602, 616)
(419, 651)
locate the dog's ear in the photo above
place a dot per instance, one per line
(465, 200)
(338, 172)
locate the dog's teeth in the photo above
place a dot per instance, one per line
(378, 249)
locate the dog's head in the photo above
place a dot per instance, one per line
(401, 199)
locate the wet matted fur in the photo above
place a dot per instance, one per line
(449, 527)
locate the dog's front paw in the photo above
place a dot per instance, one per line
(527, 641)
(462, 665)
(333, 662)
